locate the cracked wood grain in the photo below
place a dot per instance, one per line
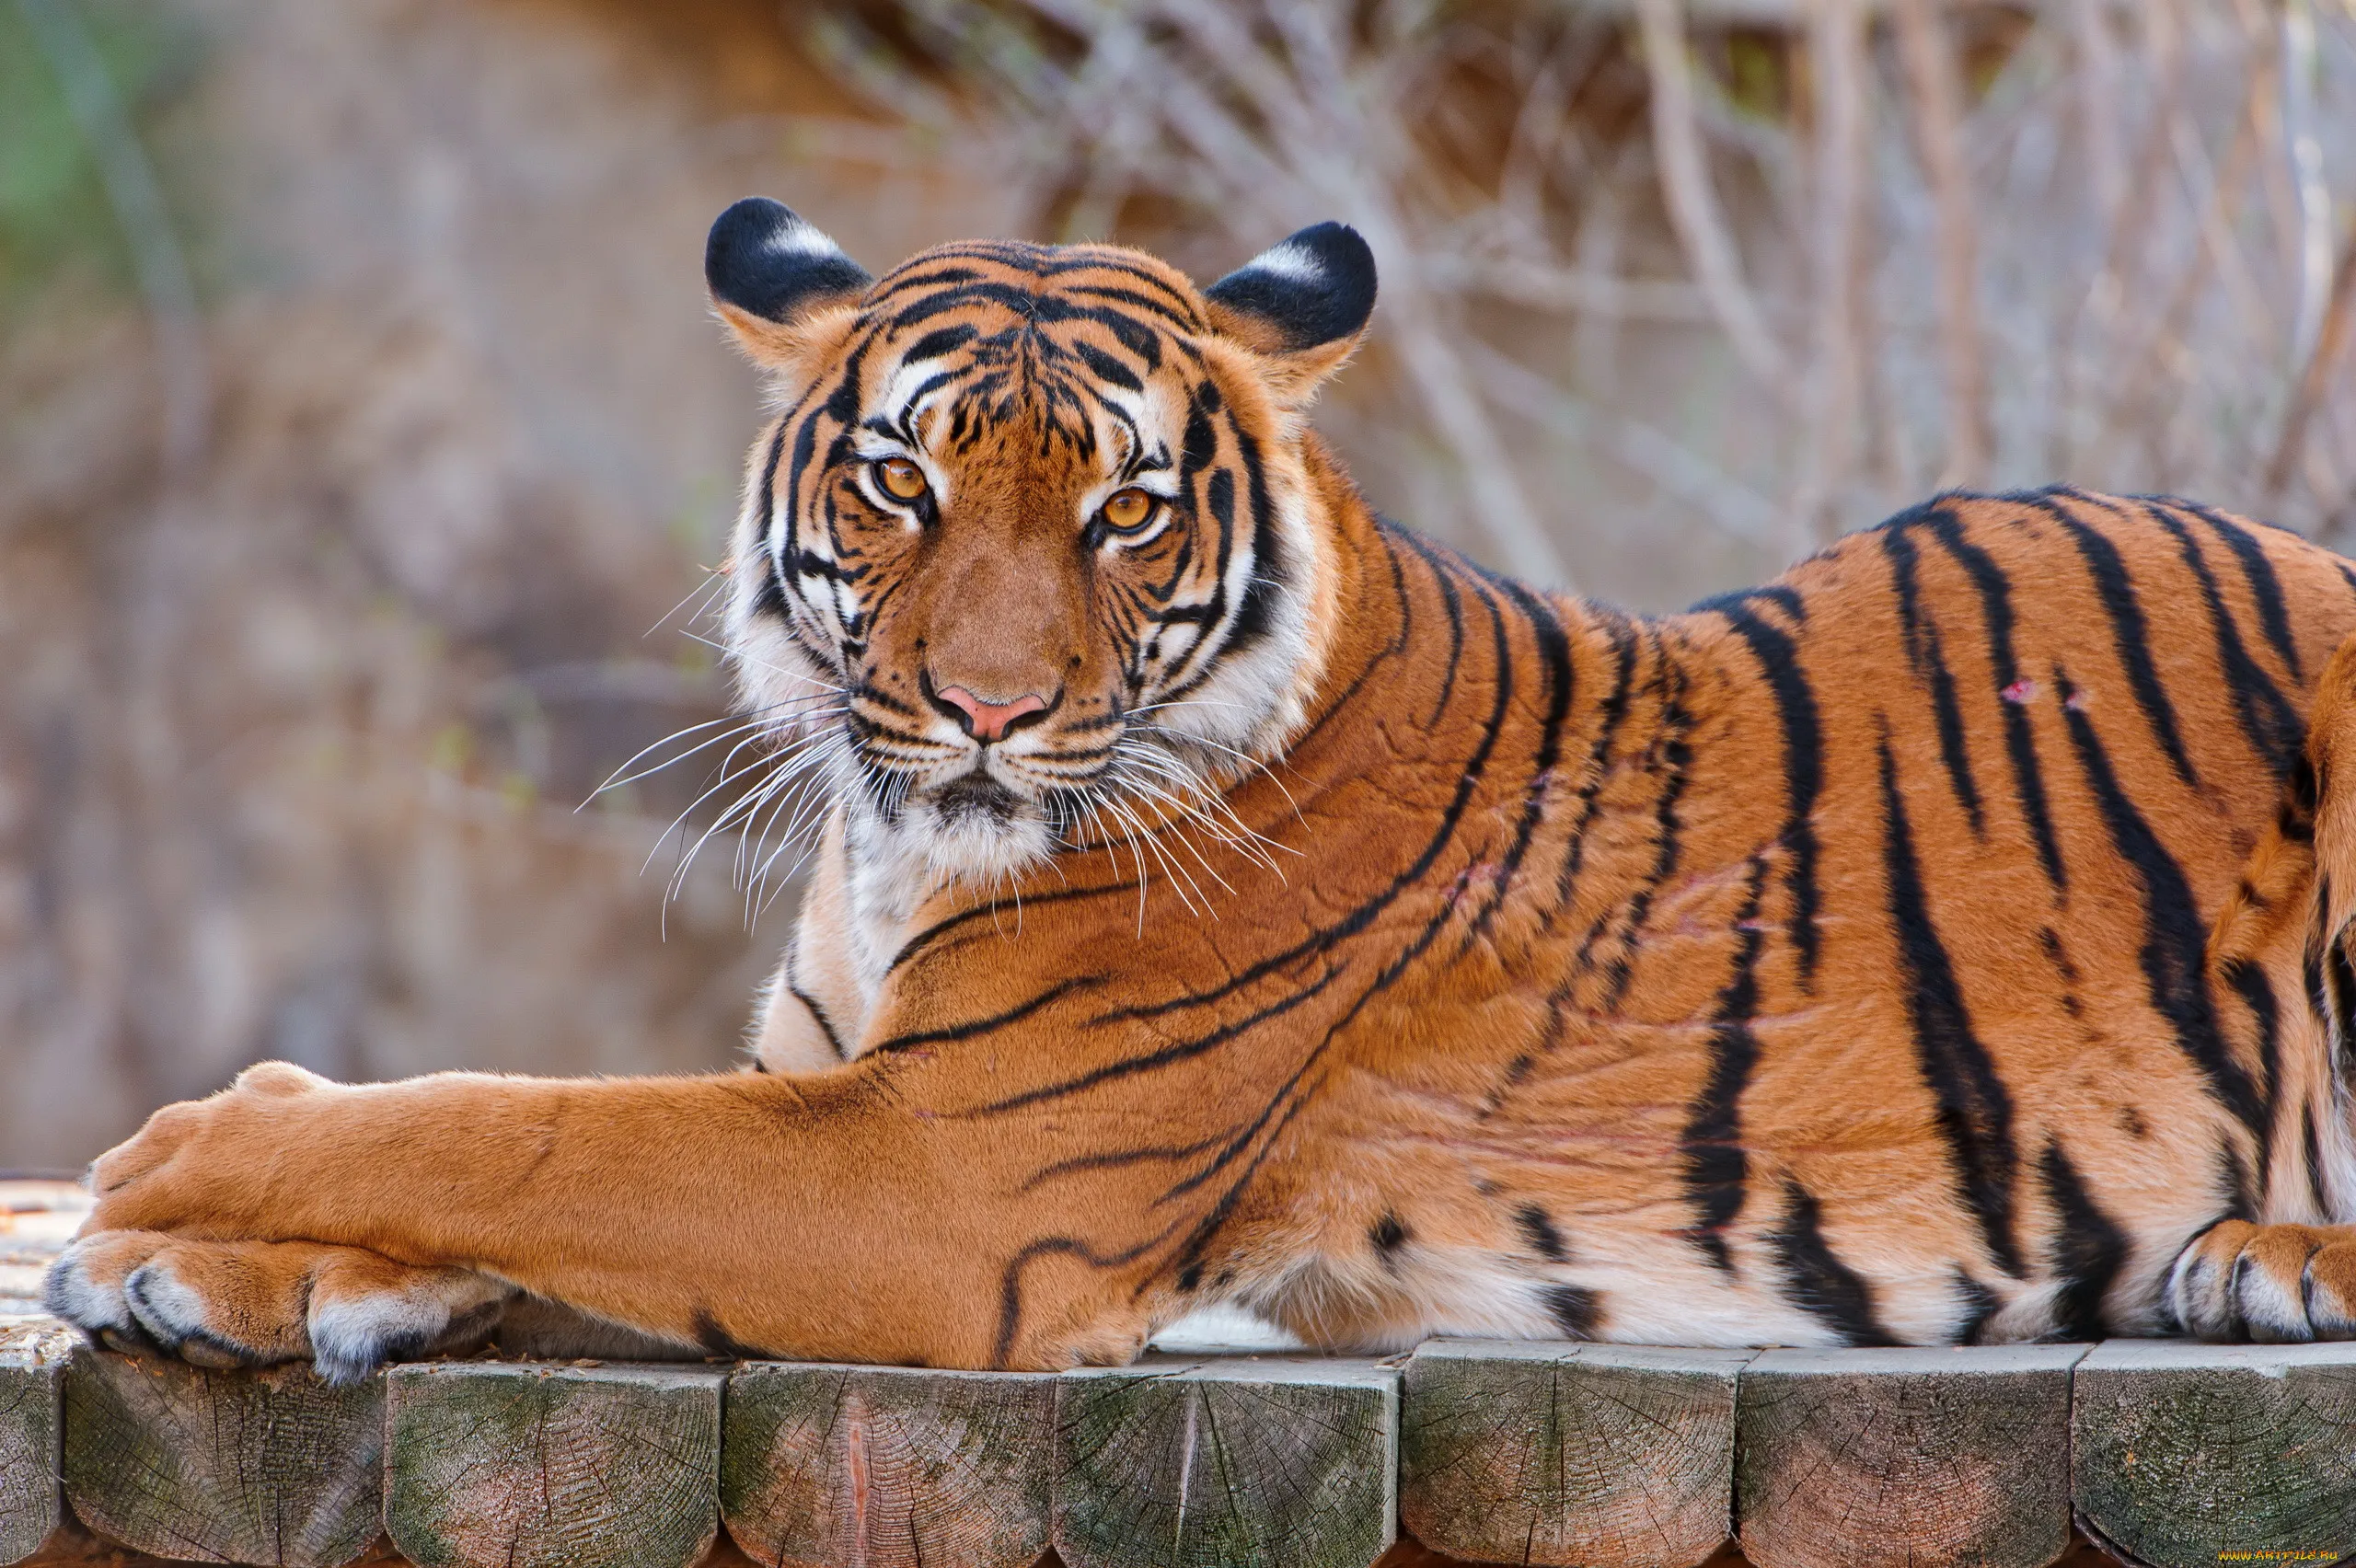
(886, 1467)
(1248, 1463)
(2198, 1454)
(33, 1354)
(522, 1465)
(1561, 1453)
(269, 1467)
(1860, 1459)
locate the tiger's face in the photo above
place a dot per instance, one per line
(1032, 551)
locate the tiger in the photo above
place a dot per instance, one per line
(1226, 896)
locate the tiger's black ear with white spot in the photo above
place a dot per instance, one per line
(1301, 306)
(773, 277)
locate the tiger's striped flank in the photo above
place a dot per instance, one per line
(1222, 894)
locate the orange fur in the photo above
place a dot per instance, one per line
(1930, 946)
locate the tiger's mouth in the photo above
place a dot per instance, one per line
(975, 797)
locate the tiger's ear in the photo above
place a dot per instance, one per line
(774, 278)
(1301, 306)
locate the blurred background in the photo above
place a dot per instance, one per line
(365, 445)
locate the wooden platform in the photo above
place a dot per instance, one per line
(1612, 1457)
(1606, 1455)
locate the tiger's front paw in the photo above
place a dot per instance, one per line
(191, 1168)
(2274, 1284)
(225, 1304)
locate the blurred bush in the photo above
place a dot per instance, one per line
(360, 415)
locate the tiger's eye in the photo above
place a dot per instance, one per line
(1127, 510)
(900, 478)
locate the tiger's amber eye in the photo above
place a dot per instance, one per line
(900, 478)
(1127, 510)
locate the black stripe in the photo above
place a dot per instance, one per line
(1206, 1229)
(1929, 660)
(1243, 1138)
(2341, 990)
(1271, 567)
(1454, 607)
(1815, 1280)
(717, 1341)
(1785, 598)
(2050, 940)
(1578, 1311)
(2315, 1159)
(1975, 1113)
(2130, 634)
(1995, 593)
(2265, 587)
(1010, 1288)
(2240, 1193)
(1104, 367)
(834, 1041)
(1538, 1230)
(1199, 450)
(1977, 1304)
(2086, 1253)
(1555, 658)
(2175, 938)
(771, 599)
(972, 1027)
(2275, 733)
(1402, 638)
(1113, 1160)
(908, 279)
(1677, 755)
(1803, 772)
(2249, 981)
(1180, 1051)
(1717, 1169)
(937, 343)
(1598, 759)
(949, 924)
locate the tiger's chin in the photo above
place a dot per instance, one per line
(976, 829)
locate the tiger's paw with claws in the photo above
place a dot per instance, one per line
(238, 1304)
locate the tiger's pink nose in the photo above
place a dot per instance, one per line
(985, 721)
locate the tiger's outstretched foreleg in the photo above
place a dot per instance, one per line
(839, 1219)
(2292, 925)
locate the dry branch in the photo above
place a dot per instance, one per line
(1693, 208)
(2314, 380)
(1936, 97)
(1836, 374)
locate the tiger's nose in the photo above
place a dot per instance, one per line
(987, 722)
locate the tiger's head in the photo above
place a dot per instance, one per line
(1032, 546)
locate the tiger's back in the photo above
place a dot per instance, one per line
(1825, 964)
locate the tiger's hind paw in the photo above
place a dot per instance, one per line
(2273, 1284)
(228, 1304)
